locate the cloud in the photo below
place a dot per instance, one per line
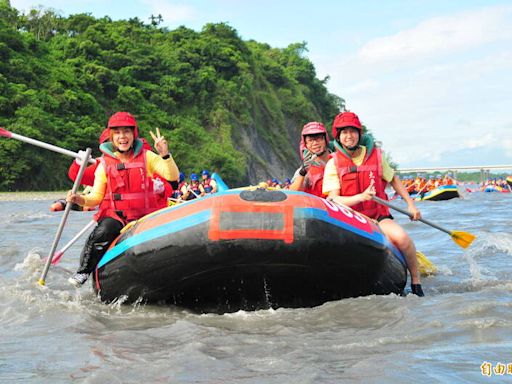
(443, 85)
(442, 35)
(172, 13)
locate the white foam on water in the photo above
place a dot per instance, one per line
(31, 263)
(26, 217)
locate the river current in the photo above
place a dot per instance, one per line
(461, 331)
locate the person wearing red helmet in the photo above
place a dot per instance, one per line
(358, 171)
(123, 187)
(314, 151)
(169, 186)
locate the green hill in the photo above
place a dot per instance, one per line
(225, 104)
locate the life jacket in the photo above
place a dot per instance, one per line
(355, 179)
(129, 192)
(207, 185)
(87, 177)
(315, 177)
(194, 187)
(177, 193)
(161, 198)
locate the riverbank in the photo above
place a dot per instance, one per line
(30, 196)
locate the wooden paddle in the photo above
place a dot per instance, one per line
(463, 239)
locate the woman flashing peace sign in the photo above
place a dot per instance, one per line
(123, 186)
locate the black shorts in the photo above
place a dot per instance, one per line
(380, 218)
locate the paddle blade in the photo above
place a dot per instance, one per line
(4, 132)
(425, 266)
(464, 239)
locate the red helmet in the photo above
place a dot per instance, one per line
(105, 136)
(312, 128)
(345, 119)
(123, 119)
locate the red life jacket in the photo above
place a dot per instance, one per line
(355, 179)
(88, 176)
(315, 177)
(129, 192)
(206, 185)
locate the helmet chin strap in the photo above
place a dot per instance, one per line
(353, 148)
(321, 153)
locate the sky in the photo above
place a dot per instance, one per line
(432, 79)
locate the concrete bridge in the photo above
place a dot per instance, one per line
(485, 170)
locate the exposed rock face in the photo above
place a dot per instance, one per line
(264, 159)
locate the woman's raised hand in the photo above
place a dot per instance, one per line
(160, 143)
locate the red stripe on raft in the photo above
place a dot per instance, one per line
(286, 234)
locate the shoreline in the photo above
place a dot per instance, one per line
(30, 196)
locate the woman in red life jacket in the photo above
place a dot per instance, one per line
(356, 173)
(163, 188)
(315, 154)
(123, 187)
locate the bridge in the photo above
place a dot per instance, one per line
(485, 170)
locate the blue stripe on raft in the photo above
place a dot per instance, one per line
(204, 216)
(319, 214)
(154, 233)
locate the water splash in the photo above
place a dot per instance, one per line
(31, 263)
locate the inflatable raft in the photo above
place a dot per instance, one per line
(444, 192)
(248, 250)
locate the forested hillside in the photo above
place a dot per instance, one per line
(225, 104)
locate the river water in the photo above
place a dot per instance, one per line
(460, 332)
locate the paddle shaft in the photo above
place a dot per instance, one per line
(190, 189)
(386, 203)
(58, 255)
(81, 171)
(4, 132)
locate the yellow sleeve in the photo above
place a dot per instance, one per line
(387, 172)
(331, 179)
(97, 193)
(165, 168)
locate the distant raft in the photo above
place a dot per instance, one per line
(496, 188)
(444, 192)
(248, 250)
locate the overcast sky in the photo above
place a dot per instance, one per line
(431, 78)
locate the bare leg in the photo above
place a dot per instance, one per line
(403, 242)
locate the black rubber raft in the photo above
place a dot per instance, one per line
(248, 250)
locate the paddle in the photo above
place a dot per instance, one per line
(425, 266)
(418, 194)
(189, 188)
(58, 255)
(85, 158)
(463, 239)
(5, 133)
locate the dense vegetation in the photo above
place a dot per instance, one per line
(208, 91)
